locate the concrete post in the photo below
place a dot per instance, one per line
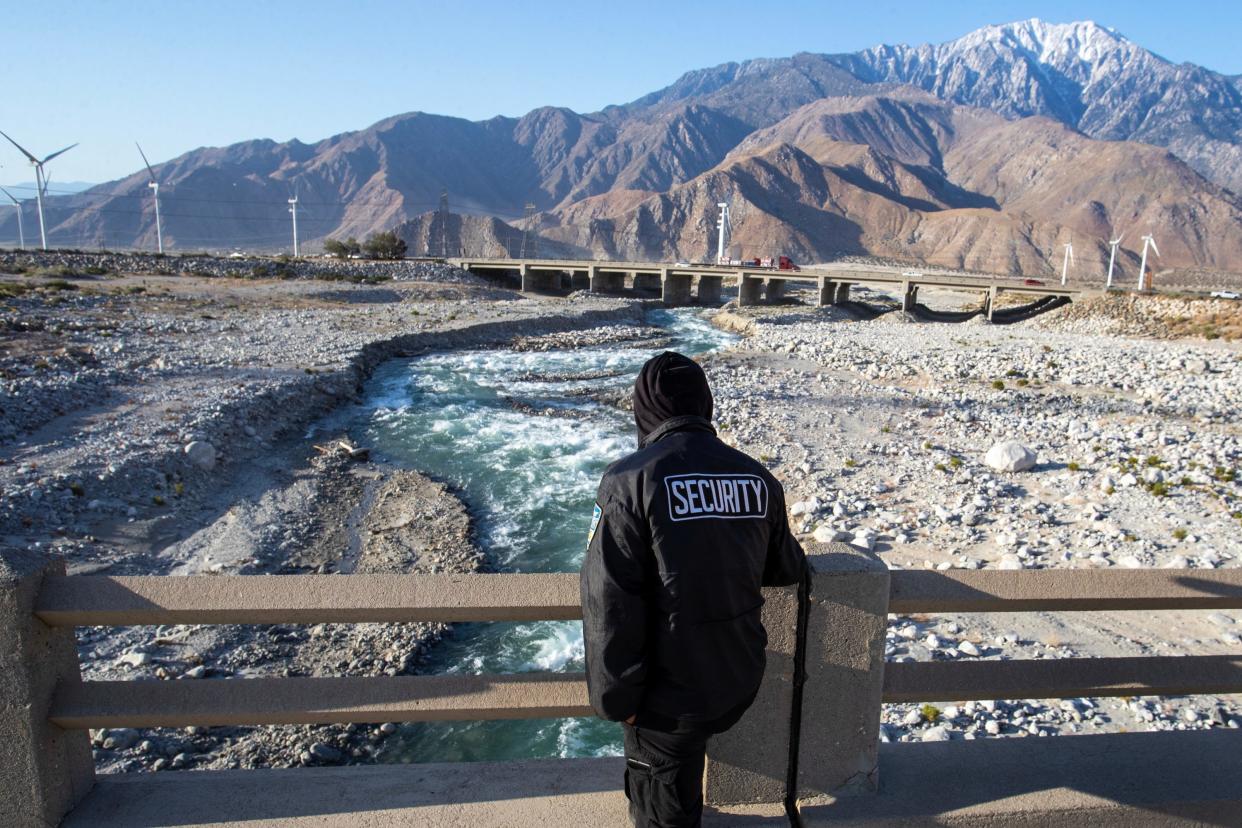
(909, 296)
(842, 294)
(775, 289)
(647, 281)
(989, 303)
(844, 679)
(710, 289)
(827, 291)
(675, 287)
(527, 277)
(605, 282)
(748, 290)
(750, 762)
(45, 770)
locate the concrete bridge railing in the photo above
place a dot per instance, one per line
(810, 742)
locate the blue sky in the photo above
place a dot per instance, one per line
(180, 75)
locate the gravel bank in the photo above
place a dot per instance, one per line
(880, 430)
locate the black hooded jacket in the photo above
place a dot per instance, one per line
(686, 530)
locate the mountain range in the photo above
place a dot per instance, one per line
(990, 152)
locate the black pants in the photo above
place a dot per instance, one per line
(664, 776)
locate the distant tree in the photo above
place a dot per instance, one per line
(342, 249)
(385, 245)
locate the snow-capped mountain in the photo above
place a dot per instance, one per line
(1085, 75)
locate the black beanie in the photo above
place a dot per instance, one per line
(669, 385)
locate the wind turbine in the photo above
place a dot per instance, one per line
(293, 209)
(723, 224)
(155, 189)
(40, 180)
(1148, 241)
(21, 234)
(1069, 258)
(1112, 257)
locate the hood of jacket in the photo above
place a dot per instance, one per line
(669, 386)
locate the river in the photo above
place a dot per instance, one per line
(528, 478)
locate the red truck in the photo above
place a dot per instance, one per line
(779, 263)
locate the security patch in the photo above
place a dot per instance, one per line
(595, 516)
(728, 496)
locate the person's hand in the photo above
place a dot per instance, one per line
(631, 719)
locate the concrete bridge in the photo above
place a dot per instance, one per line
(806, 754)
(684, 284)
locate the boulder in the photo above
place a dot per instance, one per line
(1009, 456)
(201, 454)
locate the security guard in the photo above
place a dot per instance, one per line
(685, 532)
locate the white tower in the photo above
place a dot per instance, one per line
(293, 210)
(1148, 241)
(155, 189)
(1069, 258)
(21, 233)
(722, 237)
(1112, 257)
(40, 181)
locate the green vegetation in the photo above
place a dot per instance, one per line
(927, 445)
(998, 385)
(1023, 383)
(1180, 534)
(385, 245)
(342, 249)
(850, 462)
(1224, 475)
(955, 462)
(77, 489)
(59, 284)
(930, 712)
(1072, 466)
(1159, 489)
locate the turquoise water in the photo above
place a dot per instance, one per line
(529, 479)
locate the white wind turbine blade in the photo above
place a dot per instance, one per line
(58, 152)
(150, 171)
(1153, 246)
(10, 195)
(1071, 253)
(33, 160)
(1119, 238)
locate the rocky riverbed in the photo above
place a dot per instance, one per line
(158, 424)
(1128, 455)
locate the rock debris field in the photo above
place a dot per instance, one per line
(1106, 452)
(157, 424)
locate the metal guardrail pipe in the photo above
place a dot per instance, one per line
(277, 701)
(89, 600)
(1064, 589)
(1062, 678)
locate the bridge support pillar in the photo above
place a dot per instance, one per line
(844, 676)
(749, 290)
(989, 301)
(909, 296)
(775, 289)
(750, 762)
(827, 291)
(605, 282)
(46, 770)
(646, 281)
(842, 293)
(675, 287)
(580, 280)
(540, 281)
(710, 289)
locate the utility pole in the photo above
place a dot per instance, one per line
(443, 217)
(722, 224)
(293, 210)
(530, 241)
